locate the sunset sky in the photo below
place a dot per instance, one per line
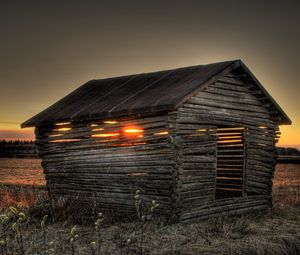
(49, 48)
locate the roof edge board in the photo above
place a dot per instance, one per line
(138, 114)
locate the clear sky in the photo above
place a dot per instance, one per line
(49, 48)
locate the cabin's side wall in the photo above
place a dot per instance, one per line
(196, 130)
(107, 161)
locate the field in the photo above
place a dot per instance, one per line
(275, 231)
(286, 185)
(27, 171)
(20, 179)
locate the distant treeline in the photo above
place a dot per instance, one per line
(288, 151)
(18, 148)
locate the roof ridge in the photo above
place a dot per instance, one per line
(166, 70)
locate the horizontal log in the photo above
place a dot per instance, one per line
(109, 190)
(115, 164)
(213, 209)
(229, 96)
(227, 114)
(198, 165)
(229, 86)
(198, 158)
(220, 120)
(207, 128)
(239, 211)
(163, 153)
(197, 150)
(196, 179)
(196, 186)
(227, 105)
(231, 80)
(196, 193)
(192, 202)
(252, 177)
(252, 183)
(86, 176)
(197, 172)
(152, 169)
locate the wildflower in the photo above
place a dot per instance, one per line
(73, 231)
(22, 216)
(44, 221)
(14, 226)
(13, 210)
(3, 218)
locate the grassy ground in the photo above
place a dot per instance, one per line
(275, 231)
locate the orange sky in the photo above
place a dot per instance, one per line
(50, 48)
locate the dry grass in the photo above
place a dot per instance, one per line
(27, 195)
(286, 185)
(275, 231)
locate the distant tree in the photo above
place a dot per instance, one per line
(288, 151)
(292, 151)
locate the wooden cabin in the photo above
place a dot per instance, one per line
(199, 140)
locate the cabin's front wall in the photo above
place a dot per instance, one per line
(107, 161)
(199, 131)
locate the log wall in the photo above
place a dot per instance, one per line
(225, 137)
(109, 160)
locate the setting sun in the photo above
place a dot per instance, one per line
(133, 131)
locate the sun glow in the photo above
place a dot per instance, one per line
(62, 123)
(162, 133)
(98, 129)
(106, 135)
(55, 135)
(62, 129)
(133, 130)
(110, 122)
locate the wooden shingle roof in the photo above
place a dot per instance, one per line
(138, 94)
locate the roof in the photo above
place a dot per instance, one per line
(138, 94)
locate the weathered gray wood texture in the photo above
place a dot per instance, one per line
(102, 161)
(177, 159)
(202, 161)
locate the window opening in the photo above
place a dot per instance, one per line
(230, 162)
